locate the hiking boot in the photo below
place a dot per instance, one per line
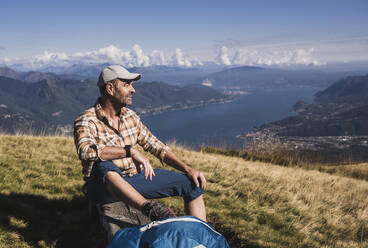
(155, 210)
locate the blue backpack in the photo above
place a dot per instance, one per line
(186, 231)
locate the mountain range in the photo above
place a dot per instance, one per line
(39, 101)
(249, 78)
(170, 74)
(227, 79)
(56, 97)
(333, 129)
(339, 110)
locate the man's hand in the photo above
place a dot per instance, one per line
(192, 173)
(139, 158)
(195, 176)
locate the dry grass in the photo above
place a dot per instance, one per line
(45, 166)
(289, 158)
(358, 171)
(275, 206)
(41, 202)
(258, 204)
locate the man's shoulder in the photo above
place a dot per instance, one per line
(87, 114)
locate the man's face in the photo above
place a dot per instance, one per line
(123, 92)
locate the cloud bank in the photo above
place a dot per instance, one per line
(275, 57)
(227, 54)
(135, 57)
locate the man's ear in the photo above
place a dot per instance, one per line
(110, 88)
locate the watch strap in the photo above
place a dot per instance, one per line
(127, 151)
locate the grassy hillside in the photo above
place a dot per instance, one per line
(254, 204)
(345, 167)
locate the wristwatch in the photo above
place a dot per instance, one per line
(127, 151)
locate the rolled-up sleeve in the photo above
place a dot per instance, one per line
(85, 141)
(149, 142)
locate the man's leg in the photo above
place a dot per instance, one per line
(123, 191)
(169, 183)
(196, 208)
(108, 185)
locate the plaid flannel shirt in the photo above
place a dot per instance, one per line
(93, 131)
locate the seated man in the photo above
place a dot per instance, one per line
(114, 170)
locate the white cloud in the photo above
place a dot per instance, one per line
(110, 54)
(196, 61)
(223, 57)
(50, 56)
(229, 53)
(341, 50)
(274, 57)
(180, 59)
(140, 58)
(302, 53)
(158, 58)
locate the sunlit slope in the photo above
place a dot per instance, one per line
(252, 203)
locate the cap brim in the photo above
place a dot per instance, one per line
(132, 76)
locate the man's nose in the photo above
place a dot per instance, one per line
(132, 89)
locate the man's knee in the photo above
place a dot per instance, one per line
(192, 192)
(111, 174)
(105, 170)
(187, 188)
(112, 177)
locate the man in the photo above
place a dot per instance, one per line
(105, 137)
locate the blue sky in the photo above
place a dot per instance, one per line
(235, 32)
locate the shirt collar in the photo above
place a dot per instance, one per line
(101, 114)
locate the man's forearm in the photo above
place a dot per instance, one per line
(171, 159)
(195, 175)
(112, 153)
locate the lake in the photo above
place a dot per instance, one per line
(218, 124)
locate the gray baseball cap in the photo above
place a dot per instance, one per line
(116, 71)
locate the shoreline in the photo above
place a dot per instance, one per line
(162, 110)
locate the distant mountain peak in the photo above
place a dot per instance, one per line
(9, 73)
(350, 88)
(29, 77)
